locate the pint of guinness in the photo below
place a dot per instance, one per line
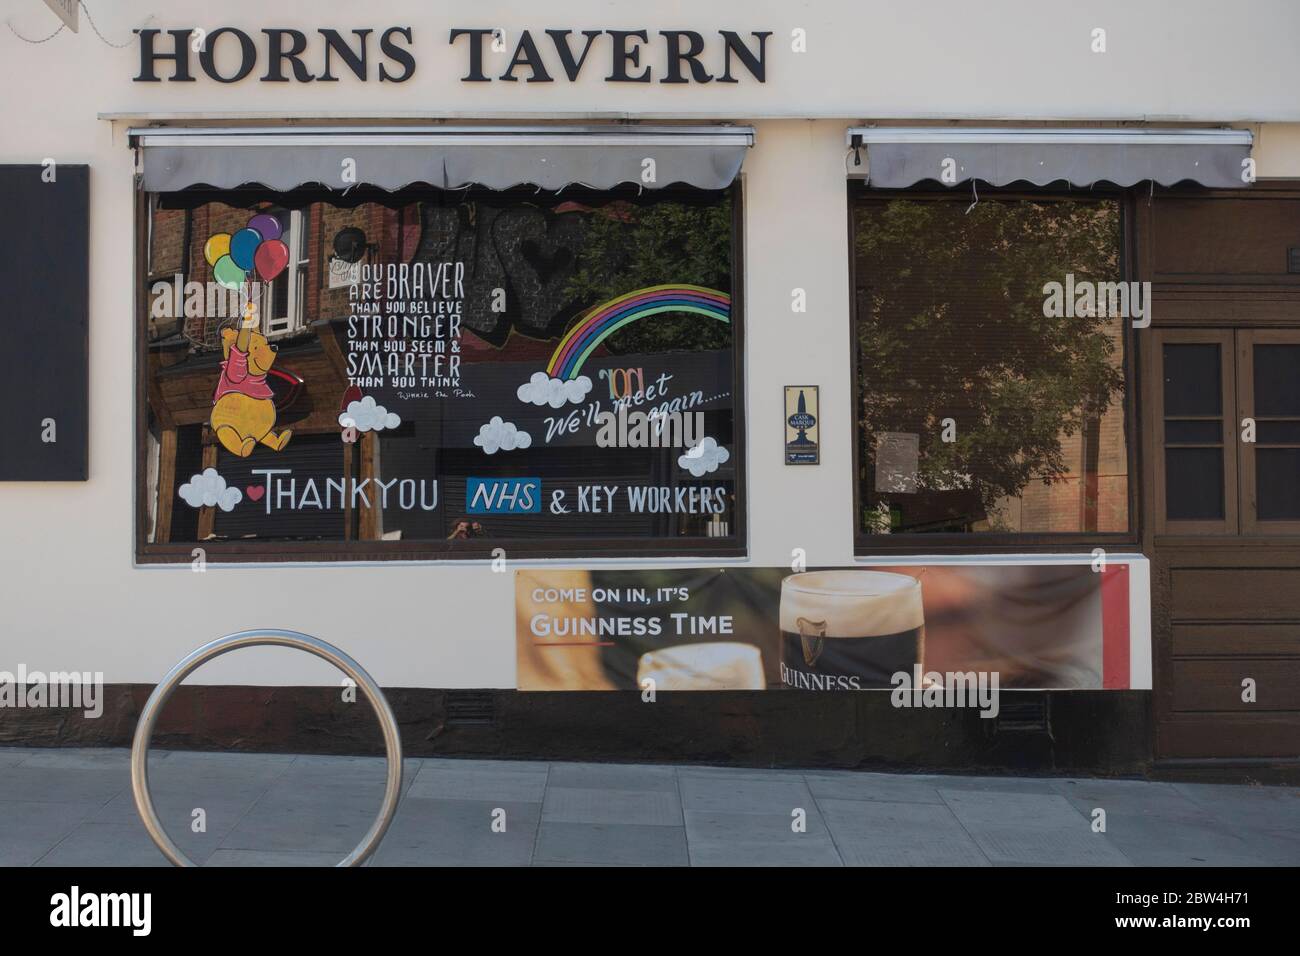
(849, 630)
(711, 666)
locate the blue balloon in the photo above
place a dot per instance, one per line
(243, 247)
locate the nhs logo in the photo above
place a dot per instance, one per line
(503, 496)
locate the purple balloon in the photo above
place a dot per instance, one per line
(267, 226)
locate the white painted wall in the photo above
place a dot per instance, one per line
(72, 598)
(946, 59)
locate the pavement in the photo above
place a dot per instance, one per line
(73, 807)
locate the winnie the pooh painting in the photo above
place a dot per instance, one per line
(243, 406)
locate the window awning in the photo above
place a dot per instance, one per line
(903, 156)
(448, 157)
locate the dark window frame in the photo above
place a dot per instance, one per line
(865, 544)
(1248, 452)
(1223, 338)
(1240, 515)
(550, 548)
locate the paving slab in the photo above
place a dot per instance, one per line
(748, 838)
(632, 845)
(248, 858)
(108, 844)
(460, 833)
(10, 757)
(878, 833)
(1263, 808)
(60, 784)
(941, 781)
(1183, 841)
(1031, 829)
(474, 763)
(890, 788)
(80, 758)
(226, 787)
(921, 850)
(501, 783)
(725, 853)
(1132, 794)
(604, 776)
(574, 805)
(30, 829)
(314, 770)
(207, 761)
(1156, 824)
(1274, 847)
(176, 810)
(747, 827)
(74, 807)
(752, 773)
(743, 794)
(333, 822)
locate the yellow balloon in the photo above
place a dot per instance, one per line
(216, 247)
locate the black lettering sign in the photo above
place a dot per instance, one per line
(287, 55)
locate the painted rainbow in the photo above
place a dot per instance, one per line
(607, 318)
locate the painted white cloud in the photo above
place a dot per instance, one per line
(366, 416)
(543, 390)
(209, 490)
(703, 458)
(497, 435)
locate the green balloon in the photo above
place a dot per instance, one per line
(228, 274)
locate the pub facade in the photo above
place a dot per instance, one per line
(833, 387)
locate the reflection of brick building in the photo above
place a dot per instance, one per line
(177, 238)
(1093, 494)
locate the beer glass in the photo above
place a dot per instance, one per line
(849, 630)
(721, 665)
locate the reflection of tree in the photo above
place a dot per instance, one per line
(629, 247)
(950, 324)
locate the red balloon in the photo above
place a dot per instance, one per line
(271, 258)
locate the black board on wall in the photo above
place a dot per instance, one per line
(44, 287)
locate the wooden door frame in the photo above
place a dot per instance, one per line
(1153, 431)
(1247, 339)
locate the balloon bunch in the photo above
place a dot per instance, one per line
(256, 246)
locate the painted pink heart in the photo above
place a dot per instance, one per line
(255, 492)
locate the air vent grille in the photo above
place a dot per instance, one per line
(1023, 713)
(470, 708)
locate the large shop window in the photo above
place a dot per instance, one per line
(440, 373)
(985, 405)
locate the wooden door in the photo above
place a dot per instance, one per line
(1221, 473)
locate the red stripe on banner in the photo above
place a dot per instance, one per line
(1114, 627)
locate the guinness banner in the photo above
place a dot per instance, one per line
(1014, 626)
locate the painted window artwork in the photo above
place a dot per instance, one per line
(429, 373)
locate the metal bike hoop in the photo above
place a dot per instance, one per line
(265, 637)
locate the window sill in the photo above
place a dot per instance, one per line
(869, 546)
(436, 553)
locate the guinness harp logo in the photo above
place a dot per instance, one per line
(812, 635)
